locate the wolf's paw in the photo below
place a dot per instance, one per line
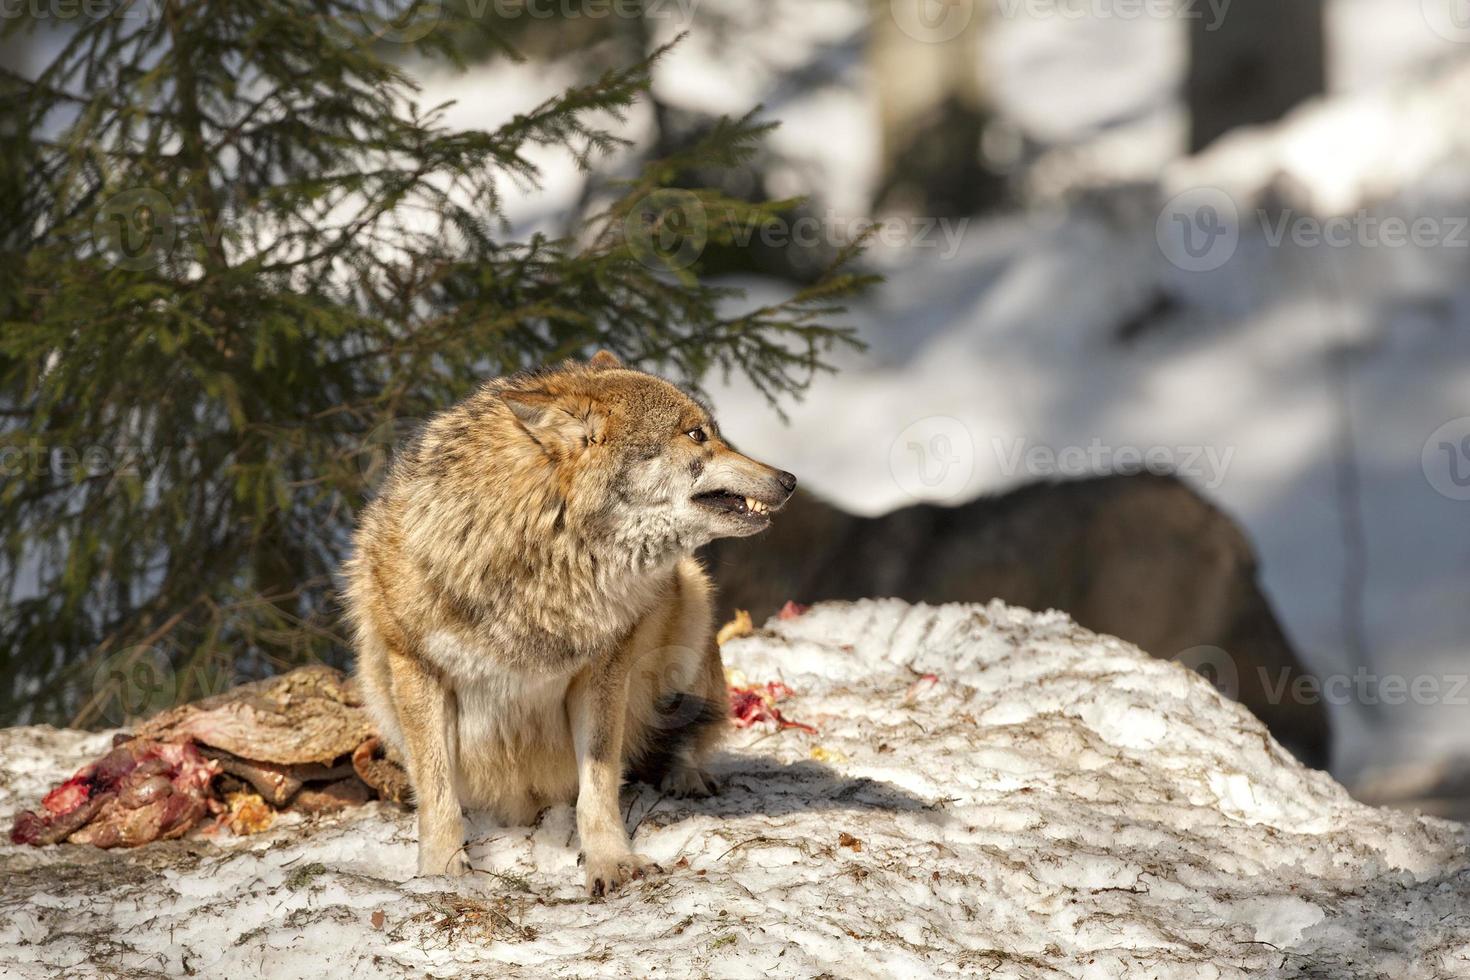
(690, 781)
(606, 875)
(454, 865)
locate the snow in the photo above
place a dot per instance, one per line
(1053, 804)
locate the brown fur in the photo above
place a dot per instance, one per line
(1141, 557)
(530, 621)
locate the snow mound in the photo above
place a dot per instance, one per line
(989, 790)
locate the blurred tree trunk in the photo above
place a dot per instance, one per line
(1252, 64)
(932, 109)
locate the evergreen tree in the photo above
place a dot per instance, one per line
(240, 252)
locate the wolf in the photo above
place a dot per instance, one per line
(530, 622)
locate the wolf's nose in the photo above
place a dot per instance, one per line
(787, 480)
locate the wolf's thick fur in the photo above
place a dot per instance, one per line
(530, 622)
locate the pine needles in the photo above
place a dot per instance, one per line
(236, 250)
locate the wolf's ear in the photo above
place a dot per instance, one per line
(604, 360)
(551, 420)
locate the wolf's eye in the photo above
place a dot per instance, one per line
(698, 435)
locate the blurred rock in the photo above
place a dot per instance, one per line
(1439, 788)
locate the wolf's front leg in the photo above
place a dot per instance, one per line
(426, 712)
(596, 705)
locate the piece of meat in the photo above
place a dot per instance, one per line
(331, 797)
(754, 703)
(792, 610)
(312, 714)
(247, 813)
(277, 783)
(385, 776)
(140, 791)
(278, 737)
(32, 828)
(167, 816)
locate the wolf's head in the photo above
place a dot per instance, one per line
(640, 460)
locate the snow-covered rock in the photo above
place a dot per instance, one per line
(990, 792)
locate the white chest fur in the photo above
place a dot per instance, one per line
(510, 739)
(512, 709)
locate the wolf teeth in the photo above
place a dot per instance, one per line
(755, 506)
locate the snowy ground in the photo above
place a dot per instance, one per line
(1050, 804)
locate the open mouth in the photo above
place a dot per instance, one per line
(733, 503)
